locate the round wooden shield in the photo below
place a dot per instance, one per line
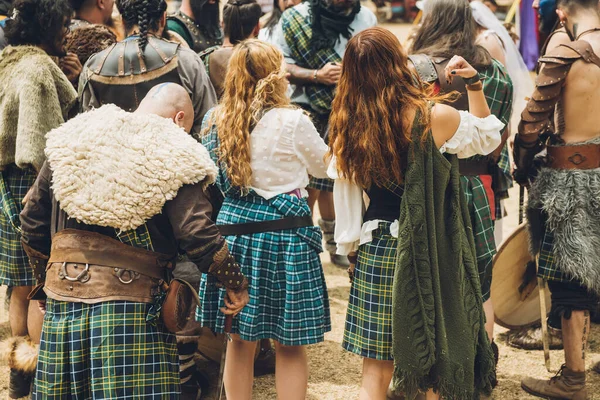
(515, 292)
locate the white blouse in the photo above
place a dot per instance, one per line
(473, 136)
(285, 148)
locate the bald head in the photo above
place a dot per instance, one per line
(169, 100)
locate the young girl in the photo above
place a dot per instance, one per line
(266, 150)
(391, 141)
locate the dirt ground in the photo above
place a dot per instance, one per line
(335, 374)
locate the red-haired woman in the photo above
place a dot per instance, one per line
(415, 298)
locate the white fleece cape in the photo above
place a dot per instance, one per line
(118, 169)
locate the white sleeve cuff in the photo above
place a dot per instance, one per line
(474, 136)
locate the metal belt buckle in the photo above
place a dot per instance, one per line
(132, 275)
(83, 276)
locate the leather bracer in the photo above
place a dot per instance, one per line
(227, 271)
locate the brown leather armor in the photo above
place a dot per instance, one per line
(537, 118)
(120, 75)
(200, 41)
(430, 69)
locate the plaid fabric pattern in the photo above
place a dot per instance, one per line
(547, 267)
(322, 184)
(498, 90)
(105, 351)
(14, 263)
(297, 31)
(483, 229)
(139, 238)
(288, 295)
(368, 331)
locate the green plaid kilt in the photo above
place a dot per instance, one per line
(14, 264)
(322, 184)
(105, 351)
(288, 295)
(368, 331)
(483, 229)
(547, 267)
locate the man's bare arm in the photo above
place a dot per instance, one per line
(328, 75)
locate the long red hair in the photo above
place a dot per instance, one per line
(370, 127)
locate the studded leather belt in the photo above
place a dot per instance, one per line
(585, 156)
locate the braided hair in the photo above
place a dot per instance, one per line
(146, 14)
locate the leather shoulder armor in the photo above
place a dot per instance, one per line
(200, 42)
(424, 67)
(537, 116)
(125, 58)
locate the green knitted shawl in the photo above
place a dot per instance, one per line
(438, 324)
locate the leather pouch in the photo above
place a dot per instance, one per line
(180, 298)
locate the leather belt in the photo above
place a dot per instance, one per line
(474, 168)
(85, 283)
(84, 247)
(266, 226)
(586, 156)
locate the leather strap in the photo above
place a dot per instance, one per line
(474, 168)
(585, 156)
(266, 226)
(83, 247)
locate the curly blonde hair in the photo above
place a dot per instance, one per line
(255, 83)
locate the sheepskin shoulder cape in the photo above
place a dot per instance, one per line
(35, 97)
(117, 169)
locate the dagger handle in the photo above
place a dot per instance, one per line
(228, 323)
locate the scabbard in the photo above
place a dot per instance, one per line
(226, 339)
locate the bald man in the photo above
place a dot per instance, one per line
(101, 235)
(169, 100)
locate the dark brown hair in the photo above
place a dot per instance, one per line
(448, 29)
(240, 17)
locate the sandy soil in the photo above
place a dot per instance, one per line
(335, 374)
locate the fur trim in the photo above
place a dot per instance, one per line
(31, 85)
(20, 353)
(570, 200)
(117, 169)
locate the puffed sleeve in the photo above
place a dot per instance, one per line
(349, 209)
(474, 136)
(310, 147)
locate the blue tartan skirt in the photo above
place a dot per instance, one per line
(105, 351)
(288, 295)
(368, 330)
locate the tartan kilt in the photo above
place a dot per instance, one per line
(288, 295)
(14, 263)
(547, 267)
(483, 229)
(105, 351)
(322, 184)
(368, 330)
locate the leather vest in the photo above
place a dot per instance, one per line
(199, 39)
(120, 75)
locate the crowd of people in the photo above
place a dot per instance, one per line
(160, 172)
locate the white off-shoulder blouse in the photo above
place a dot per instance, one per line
(285, 148)
(473, 136)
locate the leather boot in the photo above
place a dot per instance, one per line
(328, 228)
(566, 385)
(19, 384)
(596, 367)
(264, 364)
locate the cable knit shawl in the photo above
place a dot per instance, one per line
(35, 97)
(439, 338)
(117, 169)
